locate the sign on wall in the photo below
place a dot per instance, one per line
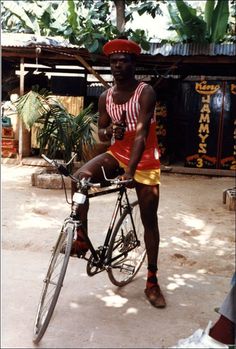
(210, 136)
(161, 129)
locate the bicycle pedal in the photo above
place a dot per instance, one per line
(127, 268)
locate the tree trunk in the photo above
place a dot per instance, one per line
(120, 14)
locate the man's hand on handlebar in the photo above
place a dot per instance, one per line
(127, 177)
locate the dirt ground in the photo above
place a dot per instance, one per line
(196, 262)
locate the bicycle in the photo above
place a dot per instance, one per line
(121, 254)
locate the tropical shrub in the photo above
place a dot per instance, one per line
(194, 27)
(59, 130)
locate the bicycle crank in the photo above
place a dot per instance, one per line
(93, 266)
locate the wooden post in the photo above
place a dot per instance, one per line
(22, 89)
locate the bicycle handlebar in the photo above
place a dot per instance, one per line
(47, 159)
(84, 182)
(115, 180)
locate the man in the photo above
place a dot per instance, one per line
(126, 117)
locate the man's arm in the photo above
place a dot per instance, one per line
(147, 106)
(104, 120)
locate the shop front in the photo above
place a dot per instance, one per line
(196, 123)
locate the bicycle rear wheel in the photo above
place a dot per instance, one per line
(53, 282)
(127, 253)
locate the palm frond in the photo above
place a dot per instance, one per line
(31, 107)
(60, 130)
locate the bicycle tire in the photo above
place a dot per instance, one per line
(123, 270)
(53, 283)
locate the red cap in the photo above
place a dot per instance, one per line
(121, 46)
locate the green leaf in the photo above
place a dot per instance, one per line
(220, 21)
(208, 14)
(177, 22)
(66, 132)
(72, 15)
(194, 26)
(31, 107)
(94, 46)
(20, 13)
(145, 45)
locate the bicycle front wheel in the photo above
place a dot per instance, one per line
(53, 282)
(127, 250)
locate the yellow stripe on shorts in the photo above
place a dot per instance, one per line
(148, 177)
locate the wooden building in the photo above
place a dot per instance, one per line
(195, 86)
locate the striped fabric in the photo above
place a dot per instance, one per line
(121, 149)
(132, 108)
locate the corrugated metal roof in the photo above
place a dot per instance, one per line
(95, 89)
(26, 40)
(191, 49)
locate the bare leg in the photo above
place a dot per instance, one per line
(224, 329)
(92, 169)
(148, 197)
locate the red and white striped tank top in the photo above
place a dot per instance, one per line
(132, 108)
(121, 148)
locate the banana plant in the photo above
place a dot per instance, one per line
(86, 23)
(193, 27)
(19, 12)
(59, 130)
(219, 20)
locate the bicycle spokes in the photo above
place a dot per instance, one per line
(126, 253)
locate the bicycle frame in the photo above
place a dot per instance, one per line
(100, 256)
(121, 254)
